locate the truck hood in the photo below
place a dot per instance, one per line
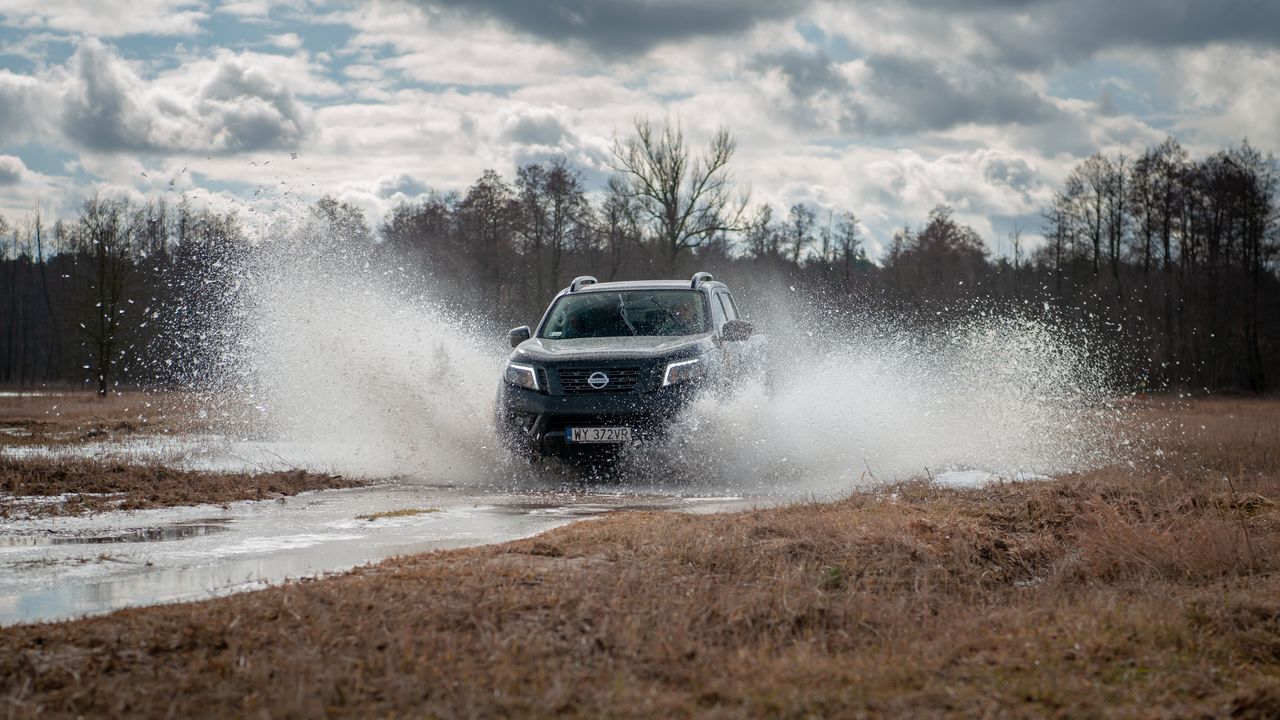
(646, 347)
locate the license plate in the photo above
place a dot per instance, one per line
(597, 434)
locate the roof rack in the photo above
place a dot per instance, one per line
(581, 280)
(699, 278)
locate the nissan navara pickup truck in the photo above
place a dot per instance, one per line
(612, 364)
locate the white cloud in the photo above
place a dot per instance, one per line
(23, 100)
(443, 48)
(1230, 94)
(257, 10)
(22, 190)
(287, 41)
(12, 170)
(228, 102)
(108, 18)
(297, 73)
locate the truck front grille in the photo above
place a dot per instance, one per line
(577, 381)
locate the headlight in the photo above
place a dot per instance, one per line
(682, 371)
(521, 376)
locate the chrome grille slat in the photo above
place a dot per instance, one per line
(573, 381)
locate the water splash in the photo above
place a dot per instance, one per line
(349, 367)
(1006, 395)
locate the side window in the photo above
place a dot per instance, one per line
(718, 314)
(727, 304)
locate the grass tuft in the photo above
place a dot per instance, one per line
(833, 577)
(405, 512)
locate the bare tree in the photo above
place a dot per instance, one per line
(1015, 239)
(531, 183)
(10, 282)
(1056, 226)
(488, 212)
(1169, 170)
(619, 224)
(944, 260)
(826, 238)
(848, 238)
(761, 237)
(1093, 178)
(567, 212)
(684, 200)
(105, 256)
(1144, 201)
(152, 223)
(800, 222)
(1117, 217)
(51, 350)
(342, 221)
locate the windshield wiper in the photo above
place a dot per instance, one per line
(666, 310)
(622, 310)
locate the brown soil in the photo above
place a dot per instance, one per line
(85, 486)
(1149, 591)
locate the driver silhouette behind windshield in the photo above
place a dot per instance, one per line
(683, 317)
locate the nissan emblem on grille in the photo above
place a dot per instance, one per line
(598, 380)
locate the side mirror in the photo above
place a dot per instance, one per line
(735, 330)
(519, 335)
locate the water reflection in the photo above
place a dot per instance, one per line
(176, 531)
(54, 569)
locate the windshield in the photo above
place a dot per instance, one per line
(631, 312)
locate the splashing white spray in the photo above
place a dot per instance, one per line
(349, 372)
(1003, 395)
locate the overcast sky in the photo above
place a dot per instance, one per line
(883, 108)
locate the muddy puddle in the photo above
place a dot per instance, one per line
(56, 568)
(59, 568)
(176, 531)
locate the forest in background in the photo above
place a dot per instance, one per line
(1173, 258)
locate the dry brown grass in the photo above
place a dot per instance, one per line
(60, 417)
(63, 417)
(1149, 592)
(401, 513)
(87, 486)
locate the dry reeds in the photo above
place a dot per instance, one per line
(86, 486)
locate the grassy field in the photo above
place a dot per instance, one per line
(67, 417)
(1147, 590)
(40, 487)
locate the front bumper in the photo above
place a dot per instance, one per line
(534, 423)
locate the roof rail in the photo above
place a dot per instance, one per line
(581, 280)
(699, 278)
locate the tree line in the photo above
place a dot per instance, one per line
(121, 293)
(1185, 249)
(1173, 257)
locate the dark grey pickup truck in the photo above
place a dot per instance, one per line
(611, 364)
